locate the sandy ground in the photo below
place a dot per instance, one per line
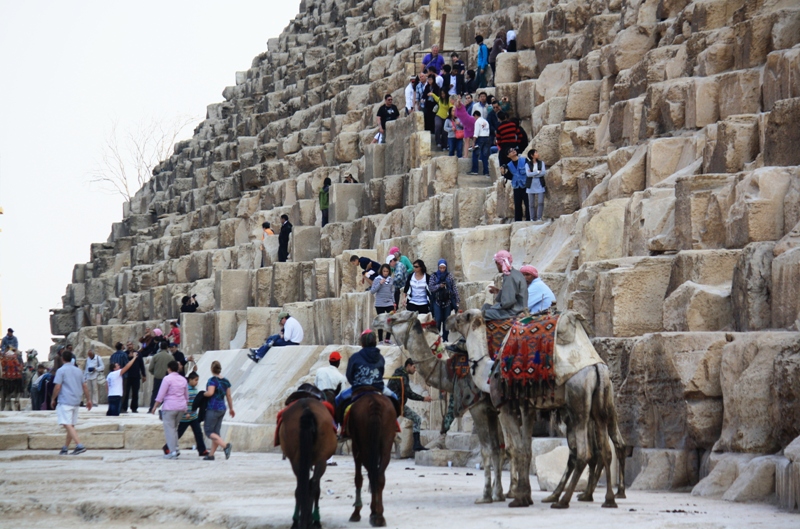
(134, 489)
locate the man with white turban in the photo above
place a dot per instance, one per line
(512, 298)
(540, 297)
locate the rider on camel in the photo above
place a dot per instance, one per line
(540, 297)
(365, 369)
(512, 299)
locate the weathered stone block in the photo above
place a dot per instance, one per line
(583, 99)
(756, 482)
(666, 156)
(757, 210)
(659, 469)
(649, 225)
(470, 252)
(786, 289)
(345, 202)
(507, 69)
(287, 279)
(305, 243)
(751, 288)
(737, 144)
(700, 203)
(232, 289)
(783, 133)
(694, 307)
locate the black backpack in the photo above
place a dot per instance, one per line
(442, 296)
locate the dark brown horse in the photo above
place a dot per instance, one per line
(308, 440)
(372, 428)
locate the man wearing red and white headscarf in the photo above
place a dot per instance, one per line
(540, 297)
(512, 298)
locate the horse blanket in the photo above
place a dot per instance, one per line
(496, 331)
(527, 357)
(11, 367)
(277, 439)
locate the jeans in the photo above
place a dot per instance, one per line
(493, 66)
(199, 440)
(36, 399)
(439, 131)
(440, 314)
(114, 404)
(520, 201)
(383, 310)
(324, 217)
(171, 419)
(455, 146)
(536, 205)
(482, 149)
(481, 77)
(346, 394)
(131, 390)
(273, 341)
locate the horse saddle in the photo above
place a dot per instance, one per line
(305, 391)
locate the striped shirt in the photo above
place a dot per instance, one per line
(190, 415)
(506, 133)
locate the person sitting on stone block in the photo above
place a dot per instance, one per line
(291, 334)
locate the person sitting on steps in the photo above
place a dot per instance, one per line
(291, 334)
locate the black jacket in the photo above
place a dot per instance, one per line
(365, 368)
(407, 288)
(283, 236)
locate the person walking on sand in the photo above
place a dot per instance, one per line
(218, 390)
(174, 395)
(69, 388)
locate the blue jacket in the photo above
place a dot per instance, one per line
(483, 56)
(365, 368)
(519, 172)
(121, 358)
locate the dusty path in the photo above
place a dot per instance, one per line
(126, 489)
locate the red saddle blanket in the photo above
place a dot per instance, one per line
(496, 331)
(527, 355)
(277, 439)
(12, 369)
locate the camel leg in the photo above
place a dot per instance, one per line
(513, 436)
(552, 498)
(505, 449)
(498, 458)
(619, 448)
(528, 419)
(376, 518)
(578, 394)
(482, 428)
(356, 516)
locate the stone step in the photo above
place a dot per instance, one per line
(96, 440)
(466, 180)
(440, 458)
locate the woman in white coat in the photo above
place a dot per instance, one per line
(535, 171)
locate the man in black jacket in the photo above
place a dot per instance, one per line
(283, 239)
(135, 376)
(403, 390)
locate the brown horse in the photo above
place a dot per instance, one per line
(308, 440)
(372, 427)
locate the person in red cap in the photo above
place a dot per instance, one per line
(329, 377)
(540, 297)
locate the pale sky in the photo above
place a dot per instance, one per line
(67, 71)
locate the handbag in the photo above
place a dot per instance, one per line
(459, 134)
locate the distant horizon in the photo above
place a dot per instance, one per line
(75, 69)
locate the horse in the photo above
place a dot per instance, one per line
(371, 425)
(307, 436)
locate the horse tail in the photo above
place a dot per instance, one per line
(600, 394)
(374, 444)
(308, 437)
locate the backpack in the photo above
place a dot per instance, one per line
(442, 296)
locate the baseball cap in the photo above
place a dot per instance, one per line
(10, 329)
(172, 344)
(283, 315)
(335, 356)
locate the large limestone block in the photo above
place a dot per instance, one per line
(197, 334)
(702, 104)
(629, 178)
(649, 225)
(532, 30)
(666, 156)
(785, 302)
(287, 283)
(616, 353)
(601, 237)
(787, 484)
(348, 275)
(304, 313)
(543, 445)
(470, 252)
(562, 197)
(693, 307)
(659, 469)
(757, 374)
(548, 136)
(671, 397)
(757, 210)
(374, 161)
(305, 243)
(583, 99)
(781, 77)
(443, 175)
(629, 299)
(751, 288)
(347, 147)
(555, 80)
(230, 329)
(706, 267)
(262, 322)
(726, 469)
(550, 467)
(507, 69)
(468, 207)
(701, 205)
(232, 289)
(629, 47)
(756, 482)
(327, 321)
(346, 202)
(739, 93)
(358, 311)
(783, 133)
(737, 144)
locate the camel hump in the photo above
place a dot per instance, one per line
(573, 348)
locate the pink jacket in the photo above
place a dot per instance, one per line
(466, 120)
(174, 393)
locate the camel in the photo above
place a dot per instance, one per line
(407, 331)
(583, 389)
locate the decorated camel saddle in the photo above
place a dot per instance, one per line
(539, 353)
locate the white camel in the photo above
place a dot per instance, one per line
(423, 348)
(584, 394)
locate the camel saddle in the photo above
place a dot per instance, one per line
(305, 391)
